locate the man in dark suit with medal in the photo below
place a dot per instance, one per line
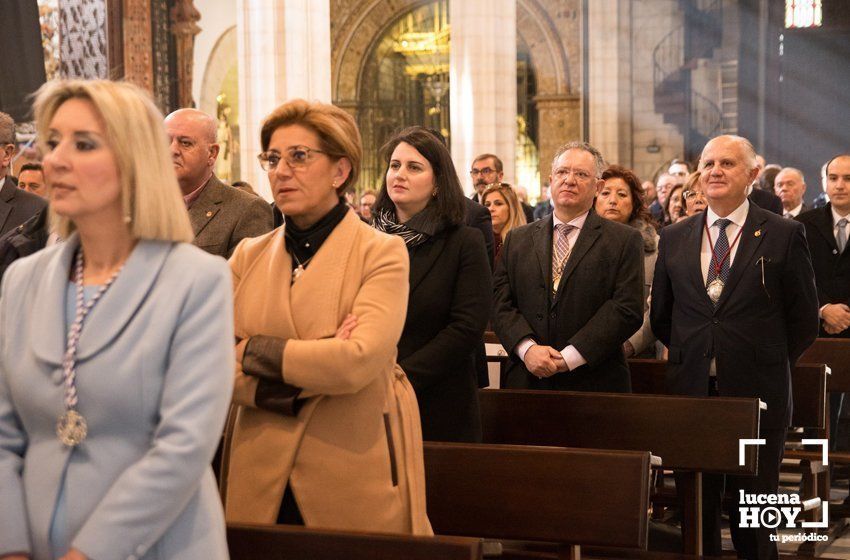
(734, 300)
(569, 288)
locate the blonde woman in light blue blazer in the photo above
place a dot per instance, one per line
(116, 349)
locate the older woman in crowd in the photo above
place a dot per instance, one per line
(326, 430)
(505, 211)
(693, 195)
(621, 199)
(115, 348)
(675, 207)
(421, 201)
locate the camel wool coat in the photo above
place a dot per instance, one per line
(353, 454)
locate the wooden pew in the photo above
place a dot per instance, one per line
(671, 427)
(808, 386)
(571, 497)
(835, 353)
(285, 542)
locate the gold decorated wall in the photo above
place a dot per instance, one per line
(549, 29)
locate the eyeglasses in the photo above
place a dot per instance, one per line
(692, 195)
(296, 157)
(562, 173)
(486, 171)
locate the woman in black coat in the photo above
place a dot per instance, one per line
(450, 285)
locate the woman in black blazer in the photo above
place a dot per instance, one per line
(450, 285)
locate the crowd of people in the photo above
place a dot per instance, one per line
(342, 334)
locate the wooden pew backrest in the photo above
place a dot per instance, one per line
(834, 352)
(688, 433)
(808, 382)
(566, 496)
(285, 542)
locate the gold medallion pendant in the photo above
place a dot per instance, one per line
(71, 428)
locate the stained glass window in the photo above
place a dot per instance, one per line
(803, 13)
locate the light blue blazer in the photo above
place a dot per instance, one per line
(154, 379)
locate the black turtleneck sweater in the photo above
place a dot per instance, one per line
(304, 244)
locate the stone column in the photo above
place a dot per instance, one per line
(284, 52)
(184, 26)
(483, 93)
(609, 82)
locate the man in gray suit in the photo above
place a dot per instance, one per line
(569, 288)
(221, 216)
(16, 205)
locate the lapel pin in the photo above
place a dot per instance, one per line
(209, 213)
(757, 233)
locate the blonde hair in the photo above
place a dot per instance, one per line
(336, 129)
(516, 216)
(135, 133)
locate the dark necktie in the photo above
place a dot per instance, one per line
(721, 248)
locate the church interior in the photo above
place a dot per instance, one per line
(649, 83)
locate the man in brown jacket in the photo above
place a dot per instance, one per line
(221, 216)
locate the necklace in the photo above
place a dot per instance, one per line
(299, 270)
(71, 427)
(715, 287)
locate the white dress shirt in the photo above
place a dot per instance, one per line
(794, 212)
(572, 356)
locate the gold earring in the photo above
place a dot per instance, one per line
(434, 194)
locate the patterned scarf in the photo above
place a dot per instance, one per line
(419, 229)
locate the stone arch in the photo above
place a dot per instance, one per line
(222, 60)
(366, 23)
(548, 54)
(550, 28)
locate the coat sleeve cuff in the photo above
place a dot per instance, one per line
(263, 357)
(278, 397)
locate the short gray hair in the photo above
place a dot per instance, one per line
(794, 170)
(749, 150)
(7, 129)
(584, 146)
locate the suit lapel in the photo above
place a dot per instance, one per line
(329, 266)
(541, 239)
(114, 310)
(693, 257)
(588, 235)
(46, 333)
(207, 206)
(426, 255)
(825, 227)
(7, 193)
(748, 243)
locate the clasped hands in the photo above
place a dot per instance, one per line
(544, 361)
(836, 318)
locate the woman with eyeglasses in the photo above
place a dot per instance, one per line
(326, 427)
(621, 200)
(506, 213)
(421, 202)
(693, 196)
